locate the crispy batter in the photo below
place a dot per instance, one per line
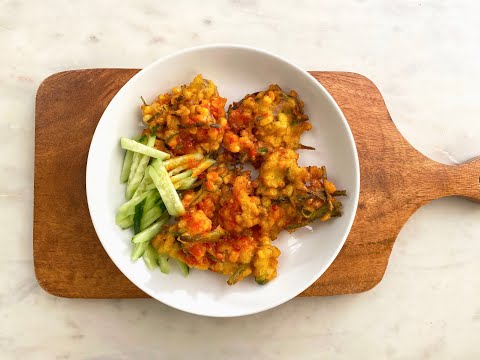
(263, 122)
(295, 196)
(190, 119)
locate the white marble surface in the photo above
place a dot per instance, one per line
(424, 55)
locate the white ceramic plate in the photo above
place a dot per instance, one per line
(237, 70)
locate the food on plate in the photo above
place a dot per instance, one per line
(265, 121)
(190, 119)
(219, 230)
(192, 200)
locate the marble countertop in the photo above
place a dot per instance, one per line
(423, 55)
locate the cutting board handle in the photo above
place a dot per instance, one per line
(464, 180)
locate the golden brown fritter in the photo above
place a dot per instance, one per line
(189, 119)
(263, 122)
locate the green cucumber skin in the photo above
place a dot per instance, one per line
(138, 250)
(163, 263)
(138, 217)
(150, 256)
(184, 269)
(127, 165)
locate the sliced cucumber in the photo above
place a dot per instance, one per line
(151, 257)
(135, 161)
(184, 269)
(138, 217)
(150, 186)
(136, 179)
(165, 187)
(150, 232)
(143, 184)
(128, 208)
(163, 263)
(127, 165)
(126, 223)
(136, 158)
(181, 160)
(181, 176)
(178, 169)
(152, 198)
(185, 184)
(138, 250)
(151, 216)
(129, 144)
(204, 165)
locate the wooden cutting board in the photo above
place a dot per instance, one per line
(70, 261)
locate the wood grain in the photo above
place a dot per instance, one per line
(70, 261)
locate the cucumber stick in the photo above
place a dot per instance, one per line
(181, 160)
(163, 263)
(177, 170)
(145, 185)
(204, 165)
(136, 147)
(185, 184)
(136, 158)
(150, 232)
(151, 257)
(184, 269)
(181, 176)
(150, 216)
(127, 165)
(138, 217)
(134, 181)
(152, 198)
(138, 250)
(165, 187)
(150, 186)
(126, 223)
(128, 208)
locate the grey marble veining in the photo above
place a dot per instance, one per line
(423, 56)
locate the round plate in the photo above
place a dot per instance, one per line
(237, 71)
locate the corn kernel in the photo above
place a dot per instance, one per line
(266, 120)
(267, 100)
